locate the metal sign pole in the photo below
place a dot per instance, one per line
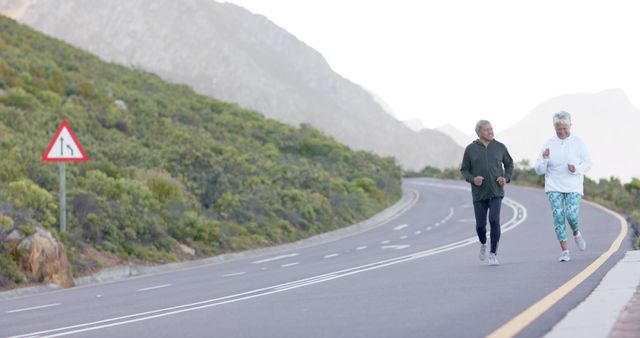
(70, 151)
(63, 198)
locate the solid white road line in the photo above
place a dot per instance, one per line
(331, 255)
(154, 287)
(275, 258)
(361, 247)
(33, 308)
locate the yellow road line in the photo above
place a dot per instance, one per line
(526, 317)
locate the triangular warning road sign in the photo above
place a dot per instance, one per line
(64, 146)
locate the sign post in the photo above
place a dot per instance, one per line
(64, 147)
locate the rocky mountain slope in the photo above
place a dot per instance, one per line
(227, 52)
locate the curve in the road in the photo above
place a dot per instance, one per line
(512, 327)
(519, 216)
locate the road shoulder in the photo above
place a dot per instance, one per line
(610, 302)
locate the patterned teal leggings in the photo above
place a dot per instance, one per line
(564, 206)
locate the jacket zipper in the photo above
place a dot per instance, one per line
(486, 160)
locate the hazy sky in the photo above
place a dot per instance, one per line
(458, 61)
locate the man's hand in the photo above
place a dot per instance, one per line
(546, 154)
(501, 180)
(478, 180)
(572, 168)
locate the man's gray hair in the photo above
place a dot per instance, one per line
(481, 124)
(562, 117)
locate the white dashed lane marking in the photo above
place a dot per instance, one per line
(234, 274)
(400, 227)
(396, 247)
(154, 287)
(290, 264)
(275, 258)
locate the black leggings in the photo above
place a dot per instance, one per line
(480, 208)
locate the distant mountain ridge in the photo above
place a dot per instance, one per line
(461, 138)
(225, 51)
(606, 121)
(414, 124)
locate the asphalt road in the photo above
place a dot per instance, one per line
(417, 275)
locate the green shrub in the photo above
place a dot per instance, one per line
(27, 195)
(9, 271)
(19, 98)
(6, 223)
(27, 229)
(49, 98)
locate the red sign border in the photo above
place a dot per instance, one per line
(64, 124)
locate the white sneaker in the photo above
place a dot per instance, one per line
(483, 252)
(580, 241)
(493, 260)
(565, 256)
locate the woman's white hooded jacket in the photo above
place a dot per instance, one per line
(555, 169)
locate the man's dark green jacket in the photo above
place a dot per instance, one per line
(489, 162)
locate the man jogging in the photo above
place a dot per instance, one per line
(487, 166)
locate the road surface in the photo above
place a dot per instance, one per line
(416, 275)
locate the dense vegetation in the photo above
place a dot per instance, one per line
(611, 192)
(168, 167)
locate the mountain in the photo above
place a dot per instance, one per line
(172, 174)
(414, 124)
(384, 105)
(224, 51)
(606, 121)
(462, 139)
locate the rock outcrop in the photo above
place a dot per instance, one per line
(41, 257)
